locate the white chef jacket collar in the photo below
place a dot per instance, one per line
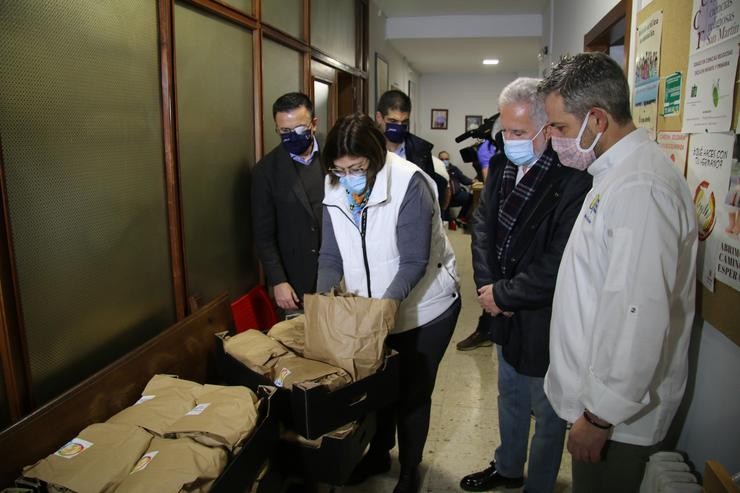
(615, 154)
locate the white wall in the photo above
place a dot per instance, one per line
(711, 429)
(399, 70)
(461, 95)
(572, 20)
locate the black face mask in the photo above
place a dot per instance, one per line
(396, 132)
(296, 143)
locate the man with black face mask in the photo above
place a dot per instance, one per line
(287, 191)
(392, 114)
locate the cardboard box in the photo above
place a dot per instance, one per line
(316, 411)
(332, 462)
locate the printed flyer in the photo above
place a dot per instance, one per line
(710, 80)
(708, 175)
(710, 89)
(647, 70)
(675, 145)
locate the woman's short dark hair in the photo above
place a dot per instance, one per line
(355, 135)
(590, 80)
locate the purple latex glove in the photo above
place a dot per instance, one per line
(485, 152)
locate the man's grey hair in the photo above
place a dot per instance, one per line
(524, 91)
(590, 80)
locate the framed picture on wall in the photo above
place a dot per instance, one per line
(381, 77)
(439, 119)
(473, 121)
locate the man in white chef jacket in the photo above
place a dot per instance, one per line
(624, 300)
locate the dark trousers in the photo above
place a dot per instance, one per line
(464, 200)
(620, 470)
(421, 350)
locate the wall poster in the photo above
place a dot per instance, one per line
(708, 176)
(647, 68)
(728, 255)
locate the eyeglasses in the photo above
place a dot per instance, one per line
(340, 172)
(300, 130)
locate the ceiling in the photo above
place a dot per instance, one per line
(452, 53)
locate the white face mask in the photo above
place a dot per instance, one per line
(571, 153)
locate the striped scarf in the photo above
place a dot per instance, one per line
(513, 197)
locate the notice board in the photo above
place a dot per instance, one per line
(720, 308)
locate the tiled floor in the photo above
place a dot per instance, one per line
(464, 427)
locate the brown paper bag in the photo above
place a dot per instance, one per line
(224, 416)
(291, 333)
(156, 412)
(255, 350)
(290, 370)
(173, 465)
(159, 383)
(98, 459)
(348, 331)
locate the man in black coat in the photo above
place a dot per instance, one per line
(392, 114)
(520, 228)
(287, 191)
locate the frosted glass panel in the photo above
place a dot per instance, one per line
(321, 107)
(243, 5)
(216, 149)
(281, 73)
(333, 28)
(80, 120)
(286, 15)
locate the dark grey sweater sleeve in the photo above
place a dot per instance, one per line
(413, 237)
(330, 258)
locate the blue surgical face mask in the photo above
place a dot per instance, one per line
(396, 132)
(521, 152)
(355, 184)
(297, 143)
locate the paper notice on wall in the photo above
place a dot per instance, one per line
(675, 145)
(710, 89)
(647, 72)
(708, 175)
(672, 95)
(728, 223)
(713, 22)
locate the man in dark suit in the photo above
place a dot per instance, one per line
(520, 228)
(392, 114)
(287, 191)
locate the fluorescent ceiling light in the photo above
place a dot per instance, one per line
(490, 61)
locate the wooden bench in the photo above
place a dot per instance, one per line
(186, 349)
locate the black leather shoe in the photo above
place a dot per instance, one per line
(475, 340)
(408, 481)
(489, 479)
(371, 464)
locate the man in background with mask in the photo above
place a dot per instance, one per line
(392, 114)
(287, 191)
(520, 228)
(624, 301)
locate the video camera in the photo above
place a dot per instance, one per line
(483, 132)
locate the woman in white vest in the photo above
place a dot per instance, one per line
(383, 235)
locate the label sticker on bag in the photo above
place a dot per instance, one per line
(144, 461)
(144, 398)
(282, 376)
(198, 409)
(73, 448)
